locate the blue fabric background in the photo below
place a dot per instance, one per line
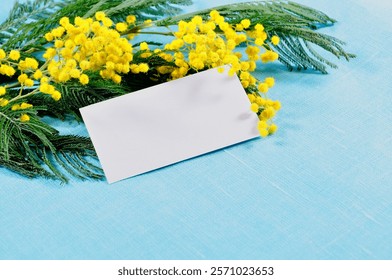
(319, 189)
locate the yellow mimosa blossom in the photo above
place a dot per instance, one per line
(3, 102)
(14, 55)
(24, 118)
(131, 19)
(275, 40)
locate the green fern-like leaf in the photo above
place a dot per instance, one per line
(28, 22)
(34, 148)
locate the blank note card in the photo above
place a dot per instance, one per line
(168, 123)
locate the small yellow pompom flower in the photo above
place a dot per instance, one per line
(7, 70)
(254, 107)
(29, 83)
(252, 98)
(21, 106)
(15, 107)
(275, 40)
(116, 79)
(268, 113)
(31, 63)
(144, 46)
(64, 21)
(263, 87)
(131, 19)
(37, 75)
(245, 23)
(3, 102)
(58, 32)
(50, 53)
(14, 55)
(121, 26)
(56, 95)
(107, 22)
(143, 67)
(272, 129)
(74, 73)
(22, 78)
(269, 81)
(263, 132)
(148, 22)
(100, 16)
(276, 105)
(83, 79)
(24, 118)
(2, 54)
(25, 105)
(59, 44)
(2, 91)
(84, 65)
(49, 37)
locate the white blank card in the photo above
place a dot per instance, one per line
(168, 123)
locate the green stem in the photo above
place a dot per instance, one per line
(24, 96)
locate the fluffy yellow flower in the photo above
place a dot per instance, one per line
(7, 70)
(263, 132)
(254, 107)
(37, 74)
(107, 22)
(25, 105)
(24, 118)
(59, 44)
(84, 79)
(29, 82)
(144, 46)
(143, 67)
(75, 73)
(272, 129)
(131, 19)
(148, 22)
(22, 78)
(263, 87)
(245, 23)
(15, 107)
(275, 40)
(49, 36)
(56, 95)
(2, 91)
(121, 26)
(2, 54)
(14, 55)
(3, 102)
(100, 16)
(50, 53)
(269, 81)
(64, 21)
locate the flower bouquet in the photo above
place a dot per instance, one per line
(56, 57)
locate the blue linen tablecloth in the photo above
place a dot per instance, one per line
(321, 188)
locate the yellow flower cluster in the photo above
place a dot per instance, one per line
(89, 45)
(78, 49)
(10, 64)
(200, 45)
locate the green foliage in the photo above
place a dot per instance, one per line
(26, 20)
(34, 148)
(75, 96)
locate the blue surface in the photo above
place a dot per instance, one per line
(319, 189)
